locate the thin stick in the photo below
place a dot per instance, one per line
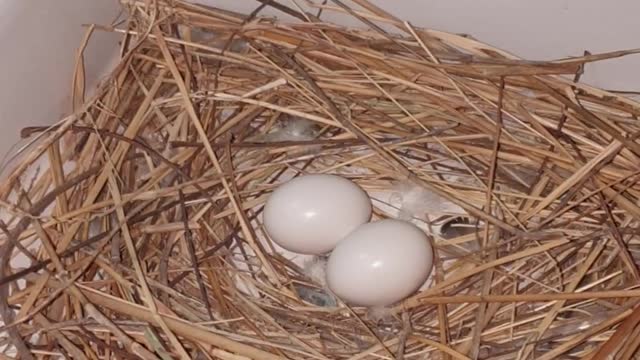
(460, 299)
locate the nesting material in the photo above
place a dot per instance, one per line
(293, 129)
(317, 293)
(415, 202)
(316, 269)
(153, 244)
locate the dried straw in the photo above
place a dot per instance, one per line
(142, 235)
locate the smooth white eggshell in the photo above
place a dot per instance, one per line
(311, 213)
(380, 263)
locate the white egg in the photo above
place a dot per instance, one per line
(380, 263)
(310, 214)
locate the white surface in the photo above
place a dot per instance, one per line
(380, 263)
(311, 214)
(39, 38)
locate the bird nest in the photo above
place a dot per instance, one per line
(132, 228)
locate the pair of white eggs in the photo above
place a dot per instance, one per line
(371, 263)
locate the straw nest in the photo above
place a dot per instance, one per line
(138, 222)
